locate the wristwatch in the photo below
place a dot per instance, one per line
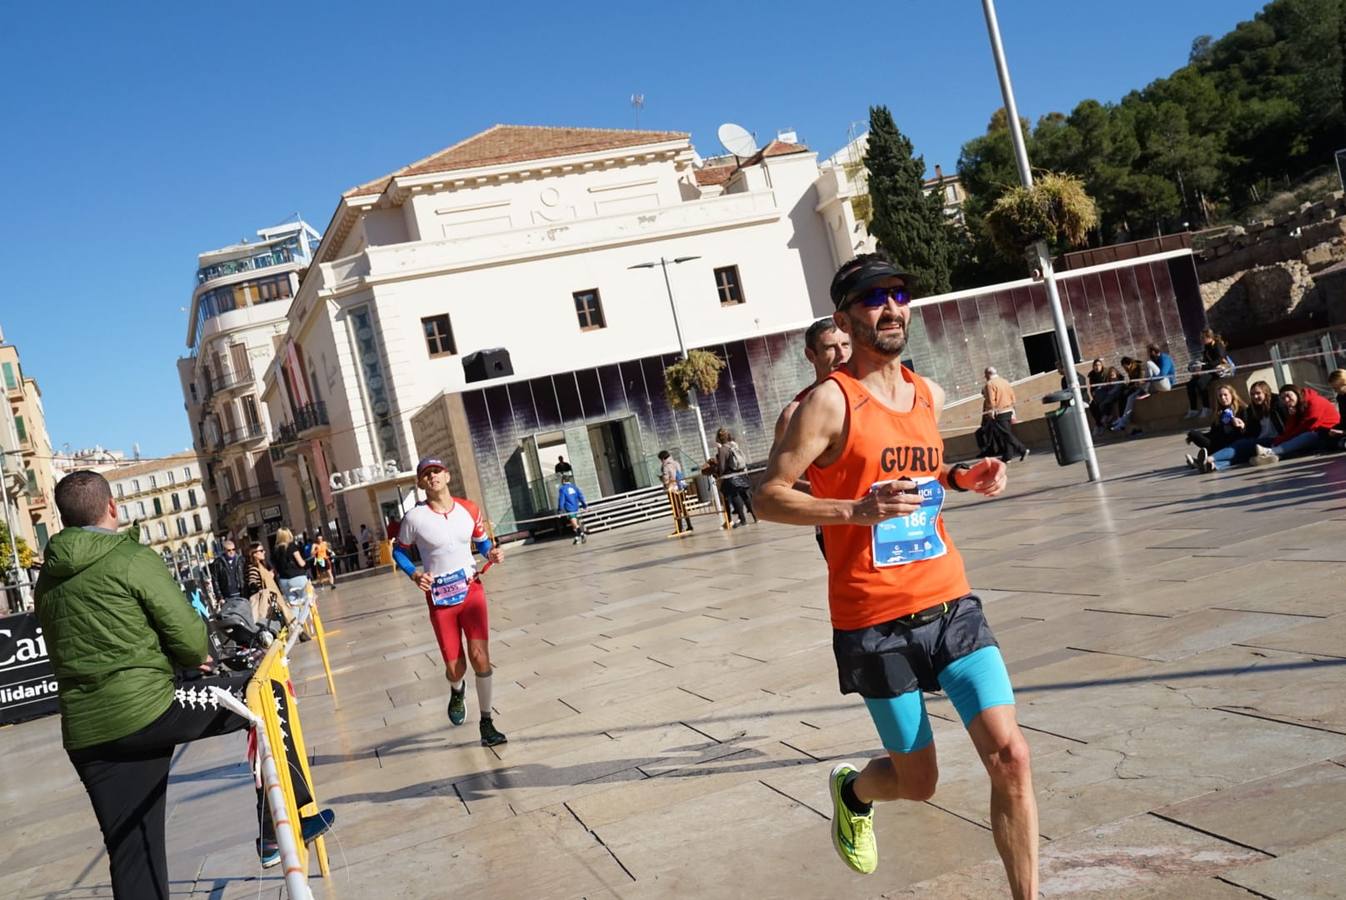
(952, 481)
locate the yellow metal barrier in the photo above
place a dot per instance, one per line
(271, 699)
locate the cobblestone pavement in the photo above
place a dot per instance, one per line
(1178, 646)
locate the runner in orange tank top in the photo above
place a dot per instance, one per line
(903, 616)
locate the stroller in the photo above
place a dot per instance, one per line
(237, 640)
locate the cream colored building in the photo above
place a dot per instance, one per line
(28, 453)
(167, 499)
(235, 324)
(525, 238)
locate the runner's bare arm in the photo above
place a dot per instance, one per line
(783, 420)
(814, 431)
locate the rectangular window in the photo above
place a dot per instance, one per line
(196, 521)
(187, 472)
(171, 478)
(135, 485)
(192, 387)
(154, 482)
(21, 429)
(40, 530)
(121, 492)
(589, 310)
(250, 413)
(158, 507)
(728, 285)
(140, 509)
(238, 355)
(182, 527)
(177, 503)
(32, 482)
(144, 535)
(191, 496)
(123, 515)
(10, 383)
(439, 336)
(163, 531)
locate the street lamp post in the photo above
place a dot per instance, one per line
(1063, 348)
(695, 402)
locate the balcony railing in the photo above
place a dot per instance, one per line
(311, 416)
(278, 256)
(225, 381)
(37, 500)
(243, 434)
(253, 492)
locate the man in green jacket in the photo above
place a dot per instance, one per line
(118, 630)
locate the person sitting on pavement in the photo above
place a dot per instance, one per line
(119, 637)
(569, 501)
(1264, 419)
(1226, 427)
(1337, 435)
(1206, 369)
(1307, 431)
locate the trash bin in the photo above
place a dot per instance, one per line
(1065, 428)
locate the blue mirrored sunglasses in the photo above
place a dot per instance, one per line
(880, 296)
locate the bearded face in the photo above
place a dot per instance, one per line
(882, 331)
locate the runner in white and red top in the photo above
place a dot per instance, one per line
(448, 531)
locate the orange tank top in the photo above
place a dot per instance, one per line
(878, 573)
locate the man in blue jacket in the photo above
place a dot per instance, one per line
(1168, 373)
(569, 501)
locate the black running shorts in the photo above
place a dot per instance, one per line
(893, 658)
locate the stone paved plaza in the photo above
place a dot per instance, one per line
(1178, 645)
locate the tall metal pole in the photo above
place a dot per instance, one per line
(693, 397)
(1044, 255)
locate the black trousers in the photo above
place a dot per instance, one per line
(127, 782)
(996, 437)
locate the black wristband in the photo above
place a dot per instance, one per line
(953, 482)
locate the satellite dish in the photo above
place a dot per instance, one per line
(737, 139)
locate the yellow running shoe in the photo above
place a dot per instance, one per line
(852, 835)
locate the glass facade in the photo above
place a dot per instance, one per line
(236, 296)
(265, 255)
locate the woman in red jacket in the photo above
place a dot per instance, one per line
(1307, 430)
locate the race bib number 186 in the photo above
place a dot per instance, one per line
(907, 539)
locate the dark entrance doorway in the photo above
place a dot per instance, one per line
(614, 452)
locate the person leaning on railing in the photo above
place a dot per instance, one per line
(118, 634)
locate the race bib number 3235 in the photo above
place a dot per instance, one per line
(903, 540)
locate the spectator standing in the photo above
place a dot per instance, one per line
(227, 573)
(366, 542)
(563, 468)
(670, 473)
(350, 553)
(997, 413)
(1213, 362)
(291, 569)
(731, 468)
(117, 631)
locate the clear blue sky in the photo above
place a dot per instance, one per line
(137, 135)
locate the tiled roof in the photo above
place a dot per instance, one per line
(502, 144)
(710, 175)
(147, 466)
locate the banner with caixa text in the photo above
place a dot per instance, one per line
(27, 682)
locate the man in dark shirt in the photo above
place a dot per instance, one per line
(226, 573)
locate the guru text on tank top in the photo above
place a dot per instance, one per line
(903, 565)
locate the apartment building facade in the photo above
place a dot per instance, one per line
(166, 499)
(236, 318)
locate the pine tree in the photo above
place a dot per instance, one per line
(908, 224)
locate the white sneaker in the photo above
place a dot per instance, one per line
(1191, 461)
(1264, 457)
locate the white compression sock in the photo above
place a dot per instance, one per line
(484, 694)
(457, 685)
